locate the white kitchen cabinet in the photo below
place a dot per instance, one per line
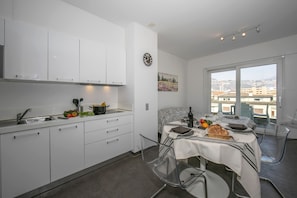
(107, 138)
(108, 148)
(67, 150)
(63, 57)
(116, 66)
(92, 62)
(24, 161)
(1, 31)
(25, 52)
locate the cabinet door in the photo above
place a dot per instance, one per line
(24, 161)
(92, 62)
(107, 123)
(98, 135)
(25, 52)
(106, 149)
(116, 66)
(67, 150)
(63, 57)
(1, 31)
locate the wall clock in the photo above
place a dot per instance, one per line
(147, 59)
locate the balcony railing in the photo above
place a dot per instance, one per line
(258, 108)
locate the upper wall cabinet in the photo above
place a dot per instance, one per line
(92, 62)
(25, 53)
(1, 31)
(116, 66)
(63, 58)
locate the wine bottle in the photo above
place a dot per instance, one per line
(191, 118)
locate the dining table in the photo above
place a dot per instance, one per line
(240, 153)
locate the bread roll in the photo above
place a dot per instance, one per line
(216, 130)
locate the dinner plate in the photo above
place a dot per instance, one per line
(181, 130)
(237, 126)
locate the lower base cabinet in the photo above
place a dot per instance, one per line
(67, 150)
(24, 161)
(106, 149)
(34, 158)
(107, 138)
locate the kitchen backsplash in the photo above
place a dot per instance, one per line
(50, 98)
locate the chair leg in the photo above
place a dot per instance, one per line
(205, 187)
(274, 186)
(233, 187)
(158, 191)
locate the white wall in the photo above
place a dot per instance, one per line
(285, 46)
(49, 99)
(58, 16)
(142, 81)
(171, 64)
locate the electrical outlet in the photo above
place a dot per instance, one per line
(147, 106)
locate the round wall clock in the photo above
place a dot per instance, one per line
(147, 59)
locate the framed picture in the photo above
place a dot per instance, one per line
(167, 82)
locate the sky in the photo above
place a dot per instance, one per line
(251, 73)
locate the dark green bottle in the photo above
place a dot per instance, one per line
(191, 118)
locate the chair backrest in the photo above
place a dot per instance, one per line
(263, 116)
(246, 110)
(160, 158)
(273, 146)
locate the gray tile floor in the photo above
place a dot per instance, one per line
(129, 177)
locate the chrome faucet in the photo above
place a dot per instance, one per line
(21, 115)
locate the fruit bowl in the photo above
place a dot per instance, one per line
(71, 113)
(204, 123)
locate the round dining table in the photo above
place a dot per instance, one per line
(241, 153)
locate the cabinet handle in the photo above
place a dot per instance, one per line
(118, 83)
(114, 130)
(25, 135)
(113, 120)
(94, 81)
(65, 79)
(67, 127)
(21, 76)
(112, 141)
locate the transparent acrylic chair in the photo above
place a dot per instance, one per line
(160, 158)
(273, 147)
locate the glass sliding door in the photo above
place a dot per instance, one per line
(251, 90)
(258, 91)
(223, 91)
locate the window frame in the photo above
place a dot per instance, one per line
(279, 61)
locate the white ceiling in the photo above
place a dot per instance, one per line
(192, 28)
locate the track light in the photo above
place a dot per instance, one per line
(243, 33)
(258, 29)
(233, 37)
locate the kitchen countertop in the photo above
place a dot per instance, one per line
(57, 121)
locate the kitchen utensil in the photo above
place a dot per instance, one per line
(98, 109)
(75, 102)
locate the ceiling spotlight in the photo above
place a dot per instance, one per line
(222, 38)
(243, 34)
(258, 29)
(233, 37)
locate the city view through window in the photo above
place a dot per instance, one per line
(258, 92)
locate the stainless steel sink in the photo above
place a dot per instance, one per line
(36, 119)
(5, 123)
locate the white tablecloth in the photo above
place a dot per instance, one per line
(242, 153)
